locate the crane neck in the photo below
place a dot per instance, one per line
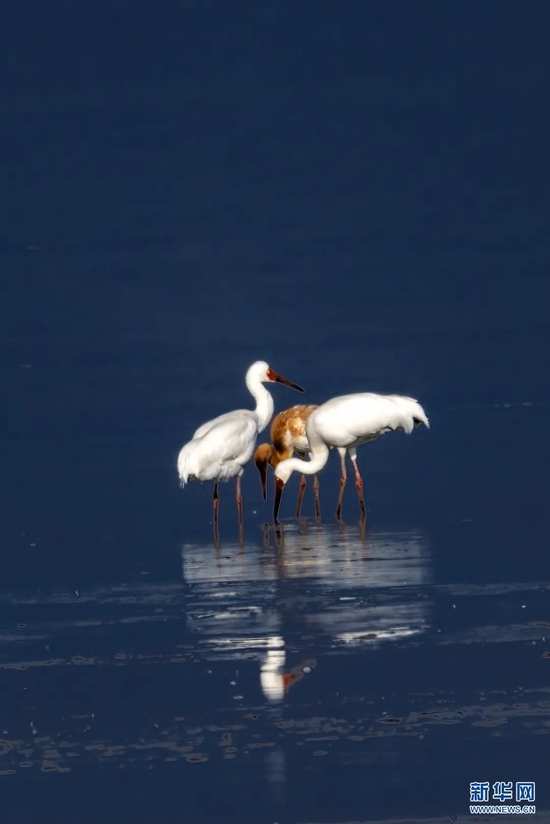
(264, 402)
(317, 459)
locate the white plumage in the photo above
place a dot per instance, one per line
(221, 452)
(220, 448)
(346, 422)
(352, 420)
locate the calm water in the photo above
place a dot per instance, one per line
(359, 198)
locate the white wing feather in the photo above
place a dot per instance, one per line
(222, 451)
(202, 430)
(350, 420)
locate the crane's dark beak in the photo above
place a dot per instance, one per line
(273, 376)
(279, 486)
(261, 466)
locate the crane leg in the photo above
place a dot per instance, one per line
(302, 488)
(316, 486)
(343, 480)
(359, 487)
(240, 509)
(303, 484)
(216, 505)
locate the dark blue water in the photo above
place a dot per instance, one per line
(359, 196)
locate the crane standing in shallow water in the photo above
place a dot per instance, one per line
(220, 448)
(344, 423)
(288, 435)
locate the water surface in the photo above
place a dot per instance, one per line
(360, 200)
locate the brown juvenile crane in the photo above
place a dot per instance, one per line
(288, 436)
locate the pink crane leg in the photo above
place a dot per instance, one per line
(240, 508)
(216, 504)
(343, 480)
(359, 487)
(316, 486)
(303, 484)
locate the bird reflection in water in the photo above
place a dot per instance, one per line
(303, 526)
(274, 680)
(271, 670)
(295, 675)
(326, 594)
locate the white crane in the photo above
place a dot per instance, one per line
(220, 448)
(347, 422)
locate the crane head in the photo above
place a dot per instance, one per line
(276, 378)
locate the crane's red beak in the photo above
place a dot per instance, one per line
(279, 486)
(273, 376)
